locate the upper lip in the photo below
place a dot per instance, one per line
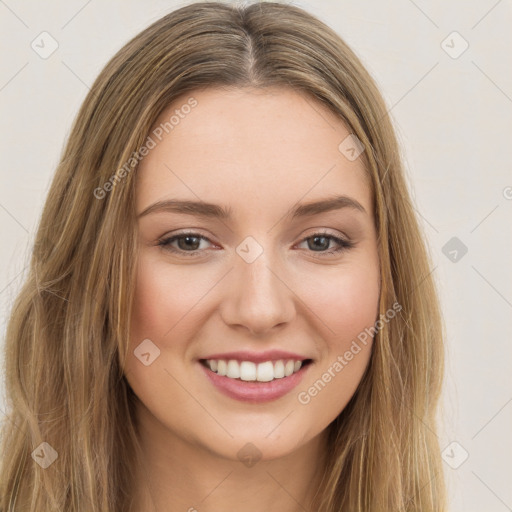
(257, 357)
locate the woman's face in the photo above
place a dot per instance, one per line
(254, 280)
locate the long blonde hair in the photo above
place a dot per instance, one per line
(66, 339)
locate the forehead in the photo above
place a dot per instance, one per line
(249, 146)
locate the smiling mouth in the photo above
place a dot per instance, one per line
(254, 372)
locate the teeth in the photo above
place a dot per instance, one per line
(249, 371)
(221, 366)
(279, 369)
(265, 372)
(233, 371)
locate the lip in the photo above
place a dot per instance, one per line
(251, 391)
(257, 357)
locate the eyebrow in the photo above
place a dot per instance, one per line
(202, 209)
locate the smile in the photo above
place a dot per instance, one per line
(254, 382)
(250, 372)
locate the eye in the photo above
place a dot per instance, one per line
(188, 243)
(318, 242)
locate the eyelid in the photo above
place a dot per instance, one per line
(316, 231)
(344, 243)
(166, 240)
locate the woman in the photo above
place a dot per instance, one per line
(229, 303)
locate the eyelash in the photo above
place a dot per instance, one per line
(343, 244)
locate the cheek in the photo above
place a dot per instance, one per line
(164, 295)
(163, 301)
(150, 304)
(345, 302)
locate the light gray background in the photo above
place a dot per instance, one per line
(454, 120)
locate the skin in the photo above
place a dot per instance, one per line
(258, 152)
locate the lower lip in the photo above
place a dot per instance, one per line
(253, 391)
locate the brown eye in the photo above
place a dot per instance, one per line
(187, 244)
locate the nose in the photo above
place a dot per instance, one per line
(257, 297)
